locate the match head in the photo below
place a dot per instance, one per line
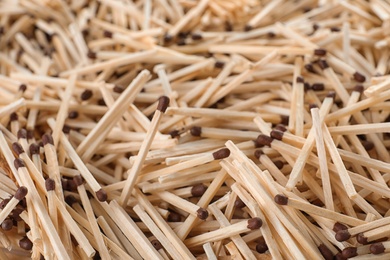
(19, 163)
(359, 77)
(14, 117)
(276, 134)
(22, 133)
(263, 140)
(258, 154)
(156, 244)
(163, 103)
(47, 139)
(359, 88)
(338, 227)
(22, 87)
(280, 127)
(254, 223)
(202, 213)
(70, 200)
(318, 86)
(342, 235)
(17, 148)
(198, 190)
(261, 246)
(377, 248)
(320, 52)
(34, 149)
(87, 94)
(300, 79)
(78, 180)
(7, 224)
(325, 252)
(25, 243)
(50, 184)
(174, 217)
(21, 193)
(221, 154)
(196, 131)
(362, 239)
(247, 28)
(196, 36)
(280, 199)
(239, 203)
(101, 195)
(349, 252)
(323, 64)
(309, 67)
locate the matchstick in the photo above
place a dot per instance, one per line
(19, 195)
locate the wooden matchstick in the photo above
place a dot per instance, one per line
(19, 195)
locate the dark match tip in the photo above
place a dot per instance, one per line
(47, 139)
(311, 106)
(368, 145)
(279, 164)
(202, 214)
(70, 200)
(359, 88)
(339, 256)
(280, 127)
(334, 29)
(349, 252)
(22, 133)
(318, 87)
(196, 36)
(359, 77)
(261, 246)
(78, 180)
(7, 224)
(14, 117)
(156, 244)
(258, 154)
(174, 217)
(118, 89)
(196, 131)
(22, 87)
(280, 199)
(276, 134)
(17, 148)
(338, 227)
(73, 114)
(19, 163)
(310, 68)
(101, 195)
(174, 133)
(284, 119)
(362, 239)
(377, 248)
(254, 223)
(342, 235)
(168, 38)
(163, 103)
(264, 140)
(221, 154)
(323, 64)
(50, 184)
(248, 27)
(306, 87)
(320, 52)
(34, 149)
(219, 64)
(107, 34)
(300, 79)
(331, 94)
(30, 134)
(198, 190)
(4, 203)
(87, 94)
(21, 193)
(92, 55)
(25, 243)
(239, 203)
(325, 252)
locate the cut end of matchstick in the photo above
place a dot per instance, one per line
(202, 213)
(196, 131)
(221, 154)
(47, 139)
(163, 103)
(254, 223)
(325, 252)
(359, 77)
(21, 193)
(362, 239)
(156, 244)
(34, 149)
(349, 252)
(17, 148)
(263, 140)
(377, 248)
(50, 184)
(19, 163)
(342, 235)
(276, 134)
(198, 190)
(22, 133)
(280, 199)
(101, 195)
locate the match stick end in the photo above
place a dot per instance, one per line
(101, 195)
(19, 163)
(21, 193)
(325, 252)
(248, 27)
(25, 243)
(320, 52)
(198, 190)
(196, 131)
(349, 252)
(50, 184)
(280, 199)
(163, 103)
(300, 79)
(221, 154)
(47, 139)
(156, 244)
(22, 133)
(263, 140)
(338, 227)
(78, 180)
(323, 64)
(7, 224)
(254, 223)
(17, 148)
(258, 154)
(276, 134)
(202, 213)
(34, 149)
(359, 88)
(359, 77)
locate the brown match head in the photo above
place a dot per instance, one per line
(377, 248)
(4, 203)
(101, 195)
(21, 193)
(263, 140)
(196, 36)
(118, 89)
(78, 180)
(202, 214)
(258, 154)
(91, 54)
(342, 235)
(280, 199)
(7, 224)
(325, 252)
(219, 64)
(239, 203)
(359, 77)
(254, 223)
(156, 244)
(349, 252)
(309, 67)
(50, 184)
(284, 119)
(276, 134)
(280, 127)
(323, 64)
(248, 27)
(25, 243)
(22, 87)
(107, 34)
(261, 246)
(279, 164)
(320, 52)
(300, 79)
(368, 145)
(70, 200)
(168, 38)
(34, 149)
(17, 148)
(19, 163)
(47, 139)
(174, 217)
(338, 226)
(22, 133)
(339, 256)
(30, 134)
(331, 94)
(163, 103)
(198, 190)
(318, 87)
(362, 239)
(14, 117)
(196, 131)
(221, 154)
(87, 94)
(359, 88)
(174, 133)
(73, 114)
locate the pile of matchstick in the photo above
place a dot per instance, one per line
(194, 129)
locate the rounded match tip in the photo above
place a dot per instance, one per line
(377, 248)
(198, 190)
(21, 193)
(202, 213)
(47, 139)
(50, 184)
(342, 235)
(349, 252)
(254, 223)
(196, 131)
(163, 103)
(325, 252)
(25, 243)
(78, 180)
(101, 195)
(19, 163)
(34, 148)
(359, 77)
(22, 133)
(276, 134)
(258, 154)
(362, 239)
(264, 140)
(221, 154)
(17, 148)
(280, 199)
